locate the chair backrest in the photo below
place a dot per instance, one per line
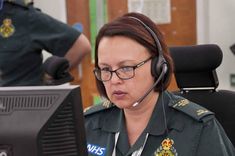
(195, 73)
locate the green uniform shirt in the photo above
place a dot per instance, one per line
(24, 32)
(186, 129)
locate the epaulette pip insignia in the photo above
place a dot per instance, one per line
(202, 111)
(192, 109)
(181, 103)
(97, 108)
(7, 28)
(107, 104)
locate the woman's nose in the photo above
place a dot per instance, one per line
(115, 78)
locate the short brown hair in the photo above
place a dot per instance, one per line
(133, 29)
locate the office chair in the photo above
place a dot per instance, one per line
(195, 73)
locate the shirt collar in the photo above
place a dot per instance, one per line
(114, 119)
(161, 119)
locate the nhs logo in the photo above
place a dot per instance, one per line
(96, 150)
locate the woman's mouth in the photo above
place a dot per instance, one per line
(119, 94)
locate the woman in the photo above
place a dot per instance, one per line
(133, 69)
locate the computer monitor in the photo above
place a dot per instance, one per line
(42, 121)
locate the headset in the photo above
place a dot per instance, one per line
(159, 69)
(159, 63)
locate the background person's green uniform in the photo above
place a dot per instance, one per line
(192, 131)
(24, 32)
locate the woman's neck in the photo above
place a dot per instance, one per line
(138, 117)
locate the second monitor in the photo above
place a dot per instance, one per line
(42, 121)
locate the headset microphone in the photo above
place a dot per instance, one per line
(163, 72)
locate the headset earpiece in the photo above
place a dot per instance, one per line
(157, 66)
(154, 68)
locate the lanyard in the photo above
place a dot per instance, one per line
(135, 153)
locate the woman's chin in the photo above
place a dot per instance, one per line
(123, 105)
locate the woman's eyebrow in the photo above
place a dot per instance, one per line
(119, 63)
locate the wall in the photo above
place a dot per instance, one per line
(54, 8)
(216, 24)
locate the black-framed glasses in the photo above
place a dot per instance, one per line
(124, 73)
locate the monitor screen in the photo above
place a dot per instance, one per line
(42, 121)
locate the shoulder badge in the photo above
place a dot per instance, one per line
(97, 108)
(7, 28)
(166, 148)
(190, 108)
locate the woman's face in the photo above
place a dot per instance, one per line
(119, 51)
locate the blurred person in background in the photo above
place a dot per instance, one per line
(24, 32)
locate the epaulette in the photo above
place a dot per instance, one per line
(190, 108)
(97, 108)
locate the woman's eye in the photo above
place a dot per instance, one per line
(126, 69)
(105, 69)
